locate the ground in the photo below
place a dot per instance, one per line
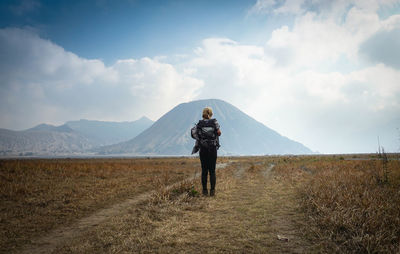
(262, 205)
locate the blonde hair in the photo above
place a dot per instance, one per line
(207, 113)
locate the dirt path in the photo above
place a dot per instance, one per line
(254, 213)
(58, 236)
(266, 172)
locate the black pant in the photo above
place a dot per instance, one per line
(208, 159)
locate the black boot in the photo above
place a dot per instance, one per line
(212, 192)
(205, 192)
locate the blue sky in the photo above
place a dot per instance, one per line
(112, 30)
(324, 73)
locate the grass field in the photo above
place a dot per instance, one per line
(282, 204)
(39, 195)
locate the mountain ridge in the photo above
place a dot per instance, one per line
(46, 140)
(106, 133)
(241, 134)
(50, 140)
(168, 136)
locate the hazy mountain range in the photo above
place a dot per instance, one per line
(107, 133)
(241, 134)
(71, 138)
(169, 135)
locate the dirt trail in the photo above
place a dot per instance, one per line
(238, 173)
(267, 170)
(58, 236)
(255, 213)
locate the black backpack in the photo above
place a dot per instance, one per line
(207, 133)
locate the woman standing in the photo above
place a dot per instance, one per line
(208, 131)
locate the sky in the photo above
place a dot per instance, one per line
(324, 73)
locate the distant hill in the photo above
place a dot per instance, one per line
(44, 139)
(241, 134)
(72, 138)
(106, 133)
(48, 127)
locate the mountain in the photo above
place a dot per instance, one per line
(241, 134)
(106, 133)
(45, 140)
(49, 127)
(71, 138)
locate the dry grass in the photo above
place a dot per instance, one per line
(39, 195)
(246, 216)
(350, 208)
(322, 204)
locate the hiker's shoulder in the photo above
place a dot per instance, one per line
(215, 122)
(208, 122)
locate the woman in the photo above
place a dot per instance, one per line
(208, 131)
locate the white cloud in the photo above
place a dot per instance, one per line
(41, 82)
(391, 23)
(151, 81)
(314, 39)
(262, 6)
(29, 58)
(291, 6)
(278, 7)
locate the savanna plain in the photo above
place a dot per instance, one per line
(263, 204)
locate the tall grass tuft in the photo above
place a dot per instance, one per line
(383, 176)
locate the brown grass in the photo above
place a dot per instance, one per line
(246, 216)
(350, 208)
(39, 195)
(321, 204)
